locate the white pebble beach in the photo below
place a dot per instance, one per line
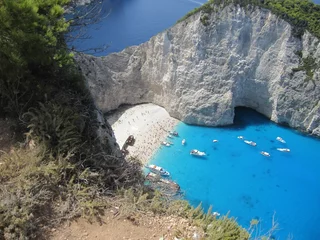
(148, 123)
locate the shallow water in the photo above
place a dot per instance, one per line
(235, 177)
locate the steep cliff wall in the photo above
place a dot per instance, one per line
(204, 67)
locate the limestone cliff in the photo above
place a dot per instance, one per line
(200, 70)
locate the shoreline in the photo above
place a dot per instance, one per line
(148, 123)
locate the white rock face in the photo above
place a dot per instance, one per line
(199, 74)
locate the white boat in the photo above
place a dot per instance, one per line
(166, 144)
(283, 149)
(240, 137)
(174, 133)
(216, 214)
(170, 136)
(266, 154)
(250, 143)
(183, 142)
(280, 139)
(215, 140)
(158, 170)
(196, 152)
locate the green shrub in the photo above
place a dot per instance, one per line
(301, 14)
(32, 50)
(308, 65)
(204, 20)
(59, 127)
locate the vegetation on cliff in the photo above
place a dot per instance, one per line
(302, 14)
(62, 169)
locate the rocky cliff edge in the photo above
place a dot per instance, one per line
(203, 67)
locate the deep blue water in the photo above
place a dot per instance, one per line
(132, 22)
(235, 177)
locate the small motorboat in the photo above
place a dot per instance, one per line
(183, 142)
(250, 143)
(240, 137)
(283, 149)
(216, 214)
(158, 170)
(196, 152)
(280, 139)
(215, 140)
(170, 136)
(174, 133)
(167, 144)
(266, 154)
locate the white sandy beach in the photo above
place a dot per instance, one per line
(148, 123)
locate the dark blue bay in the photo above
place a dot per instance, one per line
(131, 22)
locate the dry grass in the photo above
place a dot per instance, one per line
(38, 189)
(132, 203)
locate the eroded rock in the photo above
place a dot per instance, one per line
(200, 73)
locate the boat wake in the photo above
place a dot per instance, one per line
(200, 3)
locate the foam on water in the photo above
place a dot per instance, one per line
(235, 177)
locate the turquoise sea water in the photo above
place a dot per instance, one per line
(235, 177)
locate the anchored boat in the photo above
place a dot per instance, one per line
(176, 134)
(158, 170)
(283, 149)
(250, 143)
(196, 152)
(280, 139)
(167, 144)
(266, 154)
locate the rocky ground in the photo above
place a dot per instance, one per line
(132, 228)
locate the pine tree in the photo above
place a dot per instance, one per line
(32, 47)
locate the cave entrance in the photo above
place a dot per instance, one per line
(244, 116)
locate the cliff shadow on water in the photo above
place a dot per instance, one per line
(244, 117)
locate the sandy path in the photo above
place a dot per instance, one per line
(139, 227)
(148, 123)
